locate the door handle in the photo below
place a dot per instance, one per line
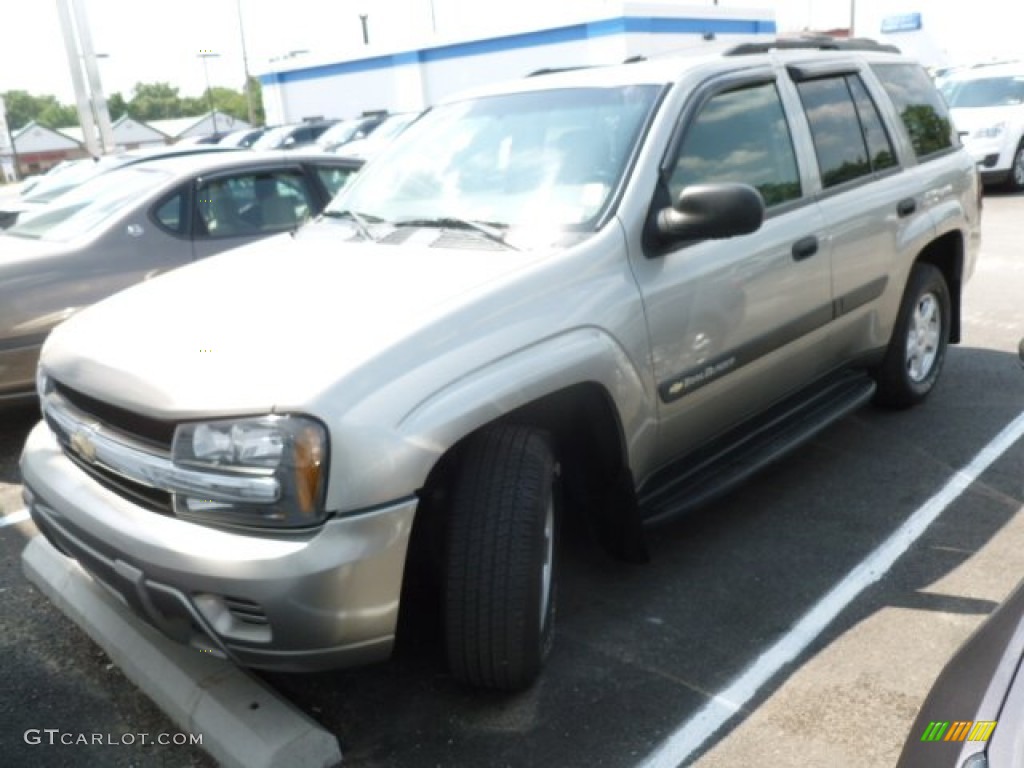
(906, 207)
(805, 247)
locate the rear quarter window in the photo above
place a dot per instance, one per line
(920, 107)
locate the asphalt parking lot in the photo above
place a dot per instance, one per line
(642, 650)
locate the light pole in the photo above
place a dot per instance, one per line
(204, 55)
(245, 66)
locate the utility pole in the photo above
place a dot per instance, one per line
(77, 82)
(245, 66)
(92, 71)
(7, 142)
(204, 55)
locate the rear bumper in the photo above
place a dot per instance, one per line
(294, 602)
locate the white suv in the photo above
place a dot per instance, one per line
(987, 105)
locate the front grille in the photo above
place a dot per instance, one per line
(152, 499)
(155, 432)
(145, 434)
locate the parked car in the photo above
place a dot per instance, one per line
(136, 222)
(616, 290)
(243, 138)
(387, 131)
(293, 136)
(352, 129)
(75, 172)
(987, 104)
(973, 717)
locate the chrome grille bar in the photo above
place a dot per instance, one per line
(96, 444)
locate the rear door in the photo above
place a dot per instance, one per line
(875, 210)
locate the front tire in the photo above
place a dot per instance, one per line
(501, 569)
(917, 349)
(1015, 181)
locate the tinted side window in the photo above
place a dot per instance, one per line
(253, 203)
(920, 106)
(170, 214)
(838, 141)
(740, 136)
(880, 150)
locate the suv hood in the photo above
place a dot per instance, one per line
(263, 326)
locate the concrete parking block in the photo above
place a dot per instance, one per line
(243, 722)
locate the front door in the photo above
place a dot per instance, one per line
(735, 324)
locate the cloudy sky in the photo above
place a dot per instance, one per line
(159, 41)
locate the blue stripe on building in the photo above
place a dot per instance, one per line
(574, 33)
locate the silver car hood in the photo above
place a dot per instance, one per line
(274, 323)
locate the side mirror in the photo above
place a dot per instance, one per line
(712, 212)
(289, 142)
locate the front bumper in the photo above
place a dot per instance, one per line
(292, 602)
(994, 158)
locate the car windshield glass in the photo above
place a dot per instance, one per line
(51, 188)
(549, 159)
(90, 204)
(339, 133)
(273, 138)
(986, 92)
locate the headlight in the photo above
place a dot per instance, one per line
(284, 459)
(42, 383)
(990, 131)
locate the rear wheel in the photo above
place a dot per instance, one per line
(917, 349)
(501, 557)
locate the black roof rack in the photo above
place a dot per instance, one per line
(818, 42)
(553, 70)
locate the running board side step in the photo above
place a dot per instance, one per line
(727, 462)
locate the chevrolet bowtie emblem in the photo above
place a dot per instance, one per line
(82, 444)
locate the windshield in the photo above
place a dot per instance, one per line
(272, 139)
(340, 132)
(544, 158)
(50, 188)
(985, 92)
(90, 204)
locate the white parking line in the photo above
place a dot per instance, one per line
(15, 517)
(692, 734)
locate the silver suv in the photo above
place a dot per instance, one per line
(613, 291)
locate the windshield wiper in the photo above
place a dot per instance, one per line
(361, 221)
(491, 230)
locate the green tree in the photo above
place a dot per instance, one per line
(155, 101)
(56, 115)
(23, 107)
(117, 106)
(233, 102)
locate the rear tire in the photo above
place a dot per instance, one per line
(501, 559)
(917, 349)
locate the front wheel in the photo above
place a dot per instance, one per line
(501, 558)
(1015, 182)
(917, 349)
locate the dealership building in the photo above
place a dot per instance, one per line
(298, 88)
